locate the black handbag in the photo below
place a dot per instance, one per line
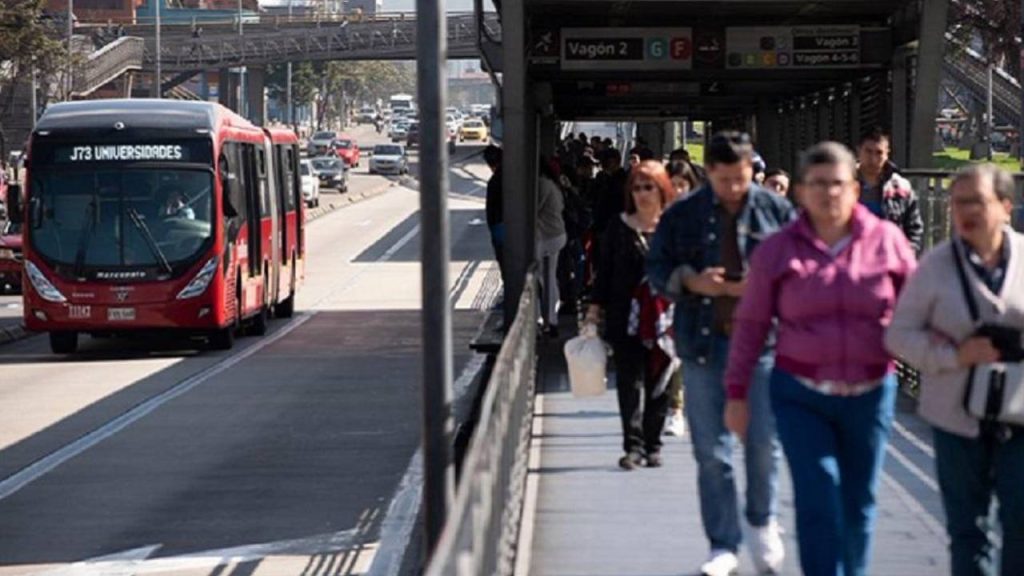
(995, 391)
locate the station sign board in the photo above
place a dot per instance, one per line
(793, 47)
(633, 49)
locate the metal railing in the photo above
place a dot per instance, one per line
(281, 39)
(108, 63)
(483, 523)
(932, 188)
(970, 69)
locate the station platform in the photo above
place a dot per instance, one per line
(585, 516)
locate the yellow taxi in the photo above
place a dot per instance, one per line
(473, 129)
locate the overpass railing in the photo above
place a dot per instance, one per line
(483, 523)
(107, 63)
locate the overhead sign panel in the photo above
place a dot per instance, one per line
(626, 49)
(793, 47)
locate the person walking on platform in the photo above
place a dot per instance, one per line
(934, 330)
(551, 238)
(887, 194)
(620, 272)
(827, 285)
(698, 257)
(493, 206)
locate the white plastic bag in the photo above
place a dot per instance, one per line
(587, 358)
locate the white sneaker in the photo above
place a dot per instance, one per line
(720, 563)
(675, 425)
(766, 547)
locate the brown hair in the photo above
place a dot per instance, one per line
(655, 172)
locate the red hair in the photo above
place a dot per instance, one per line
(655, 172)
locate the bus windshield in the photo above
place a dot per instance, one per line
(121, 217)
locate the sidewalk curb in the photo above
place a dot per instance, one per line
(9, 334)
(348, 199)
(13, 333)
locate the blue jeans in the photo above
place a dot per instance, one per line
(713, 448)
(971, 471)
(835, 446)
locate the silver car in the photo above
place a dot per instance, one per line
(389, 159)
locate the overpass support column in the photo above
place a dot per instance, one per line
(901, 106)
(767, 133)
(930, 53)
(227, 89)
(653, 134)
(519, 142)
(255, 80)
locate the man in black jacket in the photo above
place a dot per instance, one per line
(887, 194)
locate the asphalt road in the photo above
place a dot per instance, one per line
(282, 456)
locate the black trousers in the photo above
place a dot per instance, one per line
(643, 416)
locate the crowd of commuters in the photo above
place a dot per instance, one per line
(787, 300)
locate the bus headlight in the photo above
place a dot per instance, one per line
(198, 284)
(43, 287)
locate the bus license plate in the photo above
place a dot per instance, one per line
(120, 314)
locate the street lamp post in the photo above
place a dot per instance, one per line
(291, 110)
(71, 30)
(158, 87)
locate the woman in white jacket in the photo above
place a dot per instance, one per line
(932, 329)
(551, 238)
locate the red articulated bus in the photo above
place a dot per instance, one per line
(158, 215)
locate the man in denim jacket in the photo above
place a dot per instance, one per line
(698, 257)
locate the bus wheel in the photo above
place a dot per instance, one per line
(286, 308)
(223, 339)
(63, 342)
(260, 322)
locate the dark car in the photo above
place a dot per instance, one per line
(412, 138)
(332, 172)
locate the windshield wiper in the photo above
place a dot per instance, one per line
(139, 223)
(83, 239)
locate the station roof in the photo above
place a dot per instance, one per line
(703, 59)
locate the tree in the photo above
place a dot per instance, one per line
(994, 24)
(29, 41)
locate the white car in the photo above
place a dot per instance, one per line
(310, 184)
(389, 159)
(399, 130)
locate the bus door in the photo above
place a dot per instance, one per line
(271, 219)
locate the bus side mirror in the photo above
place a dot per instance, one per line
(15, 209)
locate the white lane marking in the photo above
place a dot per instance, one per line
(26, 476)
(914, 439)
(364, 223)
(400, 244)
(122, 564)
(913, 468)
(396, 527)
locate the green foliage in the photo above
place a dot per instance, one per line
(996, 22)
(952, 159)
(334, 85)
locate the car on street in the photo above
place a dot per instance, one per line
(320, 142)
(366, 115)
(389, 159)
(473, 129)
(11, 259)
(331, 172)
(412, 136)
(310, 183)
(399, 130)
(346, 148)
(452, 124)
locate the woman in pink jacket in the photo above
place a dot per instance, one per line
(827, 284)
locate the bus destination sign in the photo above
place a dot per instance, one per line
(626, 48)
(181, 151)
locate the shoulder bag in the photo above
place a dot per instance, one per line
(995, 391)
